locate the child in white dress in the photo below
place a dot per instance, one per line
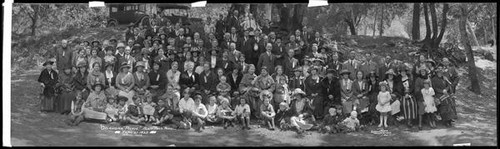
(430, 107)
(384, 105)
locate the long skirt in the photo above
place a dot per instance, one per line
(318, 106)
(409, 108)
(447, 109)
(63, 102)
(91, 114)
(47, 103)
(129, 96)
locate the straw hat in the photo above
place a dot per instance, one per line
(298, 91)
(124, 65)
(390, 72)
(344, 71)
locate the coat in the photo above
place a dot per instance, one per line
(64, 58)
(296, 82)
(353, 68)
(186, 81)
(158, 78)
(227, 66)
(49, 78)
(266, 60)
(81, 80)
(332, 87)
(208, 81)
(231, 80)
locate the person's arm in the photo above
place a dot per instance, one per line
(205, 112)
(117, 82)
(272, 111)
(73, 108)
(131, 85)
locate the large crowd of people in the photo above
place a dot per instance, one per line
(236, 72)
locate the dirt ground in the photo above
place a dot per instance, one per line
(476, 125)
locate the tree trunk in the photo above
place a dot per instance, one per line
(299, 11)
(427, 24)
(284, 16)
(473, 34)
(475, 86)
(494, 30)
(485, 33)
(375, 21)
(268, 11)
(381, 28)
(415, 30)
(434, 22)
(352, 28)
(34, 18)
(443, 27)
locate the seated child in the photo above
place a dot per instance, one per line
(162, 113)
(148, 107)
(225, 113)
(267, 112)
(351, 123)
(199, 113)
(121, 108)
(112, 109)
(283, 116)
(134, 113)
(223, 87)
(242, 113)
(212, 110)
(330, 122)
(235, 99)
(76, 110)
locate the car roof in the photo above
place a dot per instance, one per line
(159, 5)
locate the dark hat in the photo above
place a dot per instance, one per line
(81, 64)
(317, 60)
(122, 98)
(344, 71)
(298, 69)
(427, 81)
(157, 39)
(372, 73)
(96, 41)
(330, 70)
(140, 64)
(98, 84)
(149, 35)
(113, 38)
(124, 65)
(48, 63)
(106, 65)
(390, 72)
(159, 35)
(195, 49)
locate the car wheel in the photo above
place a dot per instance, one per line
(112, 23)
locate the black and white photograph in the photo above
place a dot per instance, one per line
(252, 74)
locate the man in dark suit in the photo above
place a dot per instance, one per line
(207, 81)
(244, 43)
(267, 59)
(233, 55)
(225, 64)
(352, 65)
(335, 65)
(180, 40)
(188, 78)
(331, 86)
(233, 21)
(290, 63)
(234, 78)
(385, 66)
(279, 52)
(225, 43)
(317, 39)
(305, 36)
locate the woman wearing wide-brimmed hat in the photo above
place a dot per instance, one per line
(314, 90)
(303, 118)
(96, 104)
(125, 82)
(80, 79)
(95, 76)
(390, 78)
(142, 81)
(110, 79)
(347, 97)
(48, 79)
(404, 87)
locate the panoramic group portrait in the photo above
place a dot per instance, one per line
(254, 74)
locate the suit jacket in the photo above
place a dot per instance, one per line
(208, 81)
(141, 83)
(346, 89)
(332, 87)
(186, 81)
(383, 68)
(296, 82)
(337, 66)
(233, 56)
(217, 61)
(266, 60)
(64, 58)
(351, 68)
(234, 84)
(289, 65)
(227, 66)
(224, 44)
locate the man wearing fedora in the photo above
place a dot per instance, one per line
(331, 86)
(351, 65)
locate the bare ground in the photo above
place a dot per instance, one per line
(476, 125)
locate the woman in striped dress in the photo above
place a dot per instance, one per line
(408, 102)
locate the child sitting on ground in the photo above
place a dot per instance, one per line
(121, 107)
(148, 107)
(330, 122)
(112, 109)
(162, 113)
(351, 123)
(76, 110)
(225, 113)
(134, 113)
(242, 112)
(212, 110)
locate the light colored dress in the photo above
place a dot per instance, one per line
(430, 106)
(384, 104)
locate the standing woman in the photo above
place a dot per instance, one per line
(360, 90)
(419, 84)
(313, 89)
(94, 58)
(373, 90)
(408, 101)
(173, 76)
(65, 86)
(395, 95)
(125, 82)
(48, 79)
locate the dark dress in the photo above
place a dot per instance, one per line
(49, 79)
(373, 90)
(157, 78)
(331, 87)
(65, 86)
(312, 87)
(419, 84)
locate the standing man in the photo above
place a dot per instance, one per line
(351, 65)
(267, 59)
(63, 56)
